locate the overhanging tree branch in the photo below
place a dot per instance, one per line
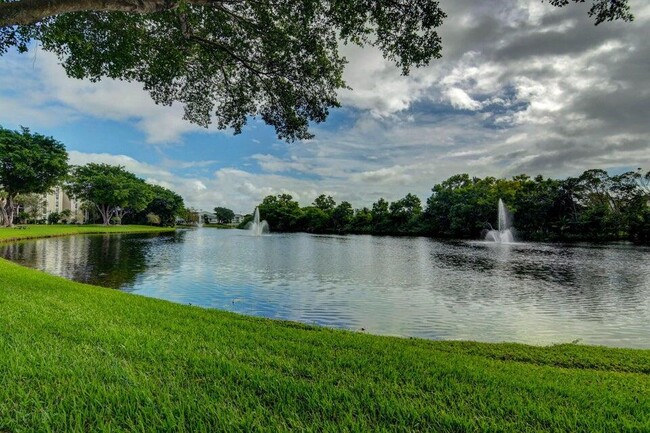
(25, 12)
(226, 61)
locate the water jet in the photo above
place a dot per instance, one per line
(504, 233)
(257, 227)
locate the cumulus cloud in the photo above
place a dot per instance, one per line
(131, 164)
(41, 93)
(461, 100)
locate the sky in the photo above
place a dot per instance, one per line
(522, 87)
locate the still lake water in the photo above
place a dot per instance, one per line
(530, 293)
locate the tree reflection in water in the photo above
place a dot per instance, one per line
(113, 261)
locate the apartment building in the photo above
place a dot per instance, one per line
(57, 201)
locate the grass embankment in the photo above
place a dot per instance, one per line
(21, 232)
(75, 357)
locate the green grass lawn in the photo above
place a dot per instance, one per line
(75, 357)
(20, 232)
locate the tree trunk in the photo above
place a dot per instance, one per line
(10, 211)
(106, 212)
(4, 218)
(121, 213)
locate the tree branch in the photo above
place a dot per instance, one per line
(25, 12)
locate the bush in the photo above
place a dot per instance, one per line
(53, 218)
(153, 219)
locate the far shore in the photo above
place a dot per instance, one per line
(32, 231)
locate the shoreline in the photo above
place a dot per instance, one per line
(38, 231)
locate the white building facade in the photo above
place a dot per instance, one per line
(57, 201)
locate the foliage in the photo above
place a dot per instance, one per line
(53, 218)
(29, 163)
(22, 217)
(31, 204)
(603, 10)
(325, 203)
(153, 219)
(248, 218)
(65, 216)
(190, 216)
(592, 206)
(103, 360)
(165, 204)
(341, 216)
(405, 212)
(281, 212)
(313, 220)
(224, 215)
(227, 61)
(113, 190)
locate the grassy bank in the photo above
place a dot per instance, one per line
(44, 231)
(75, 357)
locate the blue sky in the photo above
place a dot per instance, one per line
(522, 88)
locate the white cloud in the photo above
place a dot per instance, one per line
(274, 164)
(377, 86)
(49, 97)
(199, 186)
(395, 175)
(131, 164)
(461, 100)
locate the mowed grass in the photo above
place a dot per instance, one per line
(20, 232)
(75, 357)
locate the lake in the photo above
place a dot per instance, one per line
(417, 287)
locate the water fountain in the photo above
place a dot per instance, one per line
(257, 227)
(504, 233)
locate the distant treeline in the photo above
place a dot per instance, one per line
(594, 206)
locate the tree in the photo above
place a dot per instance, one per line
(225, 61)
(405, 211)
(313, 220)
(224, 215)
(380, 215)
(65, 216)
(32, 204)
(362, 221)
(190, 216)
(325, 203)
(603, 10)
(165, 204)
(113, 190)
(342, 216)
(53, 218)
(29, 163)
(282, 212)
(153, 219)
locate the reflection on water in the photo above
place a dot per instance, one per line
(105, 260)
(533, 293)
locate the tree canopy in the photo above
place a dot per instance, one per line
(225, 61)
(166, 205)
(29, 163)
(113, 190)
(224, 215)
(592, 206)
